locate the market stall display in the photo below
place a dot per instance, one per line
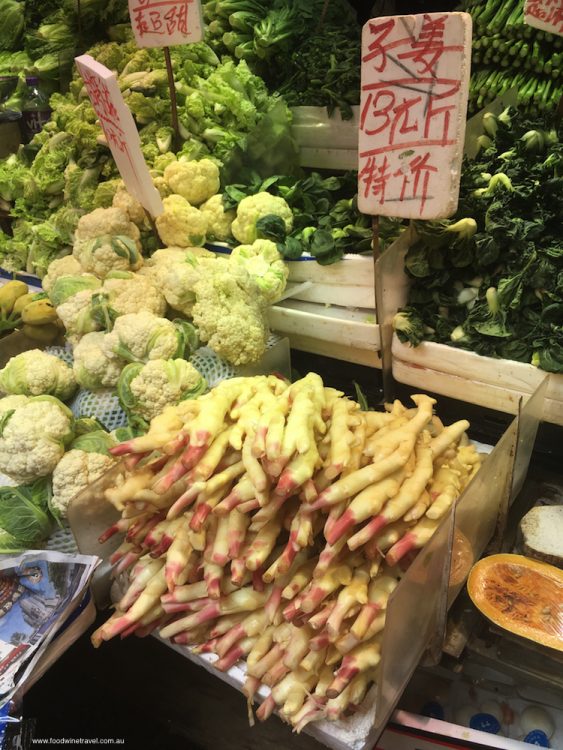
(275, 526)
(276, 480)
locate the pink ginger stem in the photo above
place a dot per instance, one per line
(176, 471)
(194, 606)
(126, 561)
(272, 605)
(116, 528)
(320, 641)
(191, 456)
(248, 506)
(200, 516)
(257, 582)
(343, 677)
(163, 546)
(236, 653)
(340, 527)
(226, 642)
(367, 532)
(367, 615)
(185, 499)
(173, 446)
(132, 461)
(318, 621)
(275, 674)
(400, 548)
(238, 570)
(266, 709)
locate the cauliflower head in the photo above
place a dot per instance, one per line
(34, 373)
(228, 316)
(73, 473)
(132, 293)
(93, 366)
(181, 224)
(219, 221)
(76, 315)
(196, 181)
(106, 221)
(134, 210)
(34, 434)
(178, 279)
(67, 266)
(266, 267)
(145, 390)
(254, 207)
(108, 253)
(107, 240)
(138, 337)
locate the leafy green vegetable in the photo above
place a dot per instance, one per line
(491, 280)
(67, 286)
(25, 519)
(13, 22)
(97, 441)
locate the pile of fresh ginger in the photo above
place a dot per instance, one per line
(271, 522)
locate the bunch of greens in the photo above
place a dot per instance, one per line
(25, 516)
(508, 53)
(491, 280)
(326, 220)
(12, 14)
(67, 169)
(324, 71)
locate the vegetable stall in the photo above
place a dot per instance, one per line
(279, 527)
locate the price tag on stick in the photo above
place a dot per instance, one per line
(546, 15)
(415, 79)
(120, 132)
(161, 23)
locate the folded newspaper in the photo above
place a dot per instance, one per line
(38, 591)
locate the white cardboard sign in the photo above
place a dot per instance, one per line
(546, 15)
(120, 132)
(162, 23)
(415, 79)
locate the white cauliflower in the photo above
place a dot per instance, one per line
(35, 373)
(67, 266)
(94, 367)
(145, 390)
(181, 224)
(229, 315)
(196, 181)
(76, 315)
(254, 207)
(178, 279)
(106, 240)
(132, 293)
(266, 267)
(138, 337)
(74, 472)
(219, 221)
(33, 437)
(134, 210)
(102, 221)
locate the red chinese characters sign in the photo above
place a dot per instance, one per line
(160, 23)
(415, 77)
(120, 132)
(545, 14)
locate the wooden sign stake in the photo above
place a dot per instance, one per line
(173, 102)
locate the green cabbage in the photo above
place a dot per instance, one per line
(24, 515)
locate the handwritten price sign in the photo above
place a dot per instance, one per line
(161, 23)
(415, 76)
(120, 132)
(545, 14)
